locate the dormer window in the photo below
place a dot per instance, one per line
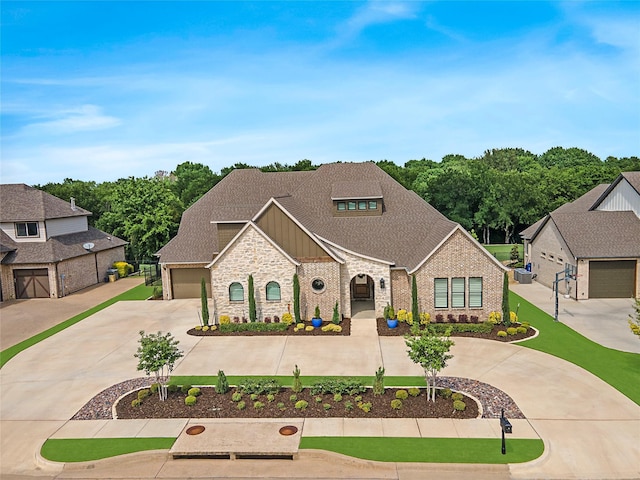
(27, 229)
(359, 198)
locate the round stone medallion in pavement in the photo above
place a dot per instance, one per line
(288, 430)
(195, 430)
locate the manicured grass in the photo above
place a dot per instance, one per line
(87, 449)
(287, 381)
(503, 252)
(429, 450)
(140, 292)
(618, 369)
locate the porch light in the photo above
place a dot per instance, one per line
(382, 283)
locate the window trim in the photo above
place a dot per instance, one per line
(266, 289)
(473, 293)
(26, 229)
(436, 299)
(241, 290)
(457, 295)
(320, 290)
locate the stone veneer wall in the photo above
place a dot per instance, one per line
(355, 265)
(252, 254)
(460, 257)
(329, 272)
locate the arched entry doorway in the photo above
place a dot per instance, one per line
(362, 295)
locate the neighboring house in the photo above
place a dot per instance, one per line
(47, 248)
(597, 236)
(350, 232)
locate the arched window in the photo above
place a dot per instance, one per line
(273, 291)
(236, 292)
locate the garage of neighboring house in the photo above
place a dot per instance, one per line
(612, 279)
(32, 283)
(185, 282)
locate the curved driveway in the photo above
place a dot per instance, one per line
(590, 430)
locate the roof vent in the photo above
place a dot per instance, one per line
(73, 204)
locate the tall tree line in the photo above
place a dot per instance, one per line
(495, 195)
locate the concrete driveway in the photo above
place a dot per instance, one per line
(590, 430)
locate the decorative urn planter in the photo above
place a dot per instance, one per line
(316, 322)
(392, 322)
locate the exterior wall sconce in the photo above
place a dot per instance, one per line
(382, 283)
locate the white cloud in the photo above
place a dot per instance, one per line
(72, 120)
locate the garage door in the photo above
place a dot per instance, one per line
(185, 282)
(32, 283)
(614, 279)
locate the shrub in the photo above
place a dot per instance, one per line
(337, 397)
(293, 397)
(253, 397)
(271, 397)
(514, 317)
(276, 319)
(414, 391)
(456, 396)
(389, 313)
(241, 405)
(309, 328)
(198, 327)
(410, 318)
(512, 331)
(326, 406)
(502, 333)
(348, 405)
(525, 325)
(135, 402)
(225, 320)
(494, 318)
(190, 400)
(185, 388)
(446, 393)
(301, 404)
(258, 405)
(521, 329)
(425, 318)
(154, 387)
(396, 404)
(331, 327)
(236, 319)
(157, 292)
(463, 318)
(280, 405)
(236, 397)
(459, 405)
(349, 386)
(319, 399)
(316, 312)
(378, 383)
(335, 319)
(439, 318)
(365, 407)
(261, 386)
(193, 392)
(123, 268)
(142, 394)
(253, 327)
(287, 318)
(300, 326)
(222, 384)
(205, 328)
(172, 388)
(297, 383)
(474, 319)
(358, 398)
(402, 315)
(402, 394)
(451, 318)
(267, 319)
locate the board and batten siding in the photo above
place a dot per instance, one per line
(64, 226)
(622, 198)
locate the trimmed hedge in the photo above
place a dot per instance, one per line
(441, 328)
(253, 327)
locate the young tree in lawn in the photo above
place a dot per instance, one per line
(296, 298)
(252, 300)
(414, 300)
(203, 299)
(157, 354)
(506, 311)
(431, 352)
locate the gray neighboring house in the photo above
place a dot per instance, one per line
(598, 235)
(47, 248)
(348, 230)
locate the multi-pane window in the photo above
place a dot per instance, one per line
(475, 292)
(342, 206)
(351, 205)
(27, 229)
(457, 292)
(441, 289)
(273, 291)
(236, 292)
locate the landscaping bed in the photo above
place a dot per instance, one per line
(256, 329)
(210, 404)
(481, 330)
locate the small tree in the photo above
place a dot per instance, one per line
(158, 354)
(506, 311)
(414, 299)
(515, 254)
(203, 299)
(431, 352)
(634, 323)
(378, 383)
(336, 314)
(252, 301)
(222, 384)
(297, 383)
(296, 298)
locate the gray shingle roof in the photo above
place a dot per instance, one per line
(634, 179)
(20, 203)
(6, 243)
(407, 231)
(62, 247)
(351, 190)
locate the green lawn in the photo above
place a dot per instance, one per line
(429, 450)
(88, 449)
(137, 293)
(503, 251)
(618, 369)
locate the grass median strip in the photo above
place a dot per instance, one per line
(429, 450)
(141, 292)
(88, 449)
(618, 369)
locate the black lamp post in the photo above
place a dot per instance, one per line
(506, 427)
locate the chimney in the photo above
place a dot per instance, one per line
(73, 204)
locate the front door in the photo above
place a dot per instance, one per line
(361, 287)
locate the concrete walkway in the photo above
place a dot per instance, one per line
(603, 320)
(590, 430)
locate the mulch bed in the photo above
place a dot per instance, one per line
(404, 329)
(213, 405)
(345, 324)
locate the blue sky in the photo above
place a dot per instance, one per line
(101, 90)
